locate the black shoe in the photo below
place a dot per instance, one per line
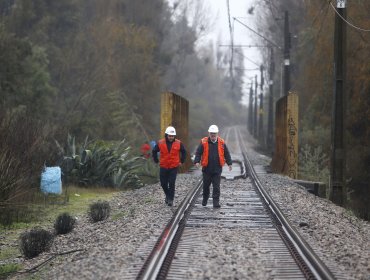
(166, 200)
(170, 203)
(216, 204)
(204, 202)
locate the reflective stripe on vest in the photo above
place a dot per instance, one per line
(220, 148)
(169, 159)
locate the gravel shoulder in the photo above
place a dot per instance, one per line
(341, 239)
(110, 248)
(114, 248)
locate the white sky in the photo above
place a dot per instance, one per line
(217, 15)
(242, 36)
(219, 19)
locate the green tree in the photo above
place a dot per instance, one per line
(24, 78)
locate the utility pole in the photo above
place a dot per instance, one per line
(260, 120)
(250, 113)
(338, 153)
(255, 108)
(286, 87)
(270, 118)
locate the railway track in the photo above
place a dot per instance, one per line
(186, 242)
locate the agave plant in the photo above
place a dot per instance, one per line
(111, 165)
(70, 160)
(101, 163)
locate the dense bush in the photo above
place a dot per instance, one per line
(100, 163)
(64, 223)
(34, 242)
(99, 211)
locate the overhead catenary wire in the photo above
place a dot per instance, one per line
(320, 15)
(346, 21)
(245, 46)
(252, 61)
(255, 32)
(255, 63)
(239, 68)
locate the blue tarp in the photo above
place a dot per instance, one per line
(51, 181)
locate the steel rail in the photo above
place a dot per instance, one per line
(318, 268)
(152, 265)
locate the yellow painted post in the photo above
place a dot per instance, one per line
(285, 158)
(277, 163)
(175, 112)
(292, 136)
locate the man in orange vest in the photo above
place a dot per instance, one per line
(172, 155)
(212, 153)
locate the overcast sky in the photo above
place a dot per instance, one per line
(242, 36)
(217, 14)
(239, 10)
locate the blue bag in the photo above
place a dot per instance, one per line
(51, 181)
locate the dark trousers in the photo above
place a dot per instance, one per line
(215, 179)
(168, 179)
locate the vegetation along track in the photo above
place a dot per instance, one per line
(182, 249)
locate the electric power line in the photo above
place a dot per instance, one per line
(255, 32)
(347, 22)
(245, 46)
(255, 63)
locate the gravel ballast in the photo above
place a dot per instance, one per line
(115, 248)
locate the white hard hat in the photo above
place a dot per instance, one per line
(170, 130)
(213, 129)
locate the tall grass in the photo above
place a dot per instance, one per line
(314, 164)
(23, 152)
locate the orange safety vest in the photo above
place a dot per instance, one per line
(169, 159)
(221, 151)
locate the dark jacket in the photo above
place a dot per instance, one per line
(213, 158)
(156, 150)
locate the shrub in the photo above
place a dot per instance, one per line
(100, 163)
(34, 242)
(149, 172)
(99, 211)
(23, 150)
(64, 223)
(313, 164)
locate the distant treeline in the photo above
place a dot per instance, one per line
(97, 68)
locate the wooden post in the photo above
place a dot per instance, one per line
(285, 158)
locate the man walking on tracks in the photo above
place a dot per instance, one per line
(212, 153)
(172, 156)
